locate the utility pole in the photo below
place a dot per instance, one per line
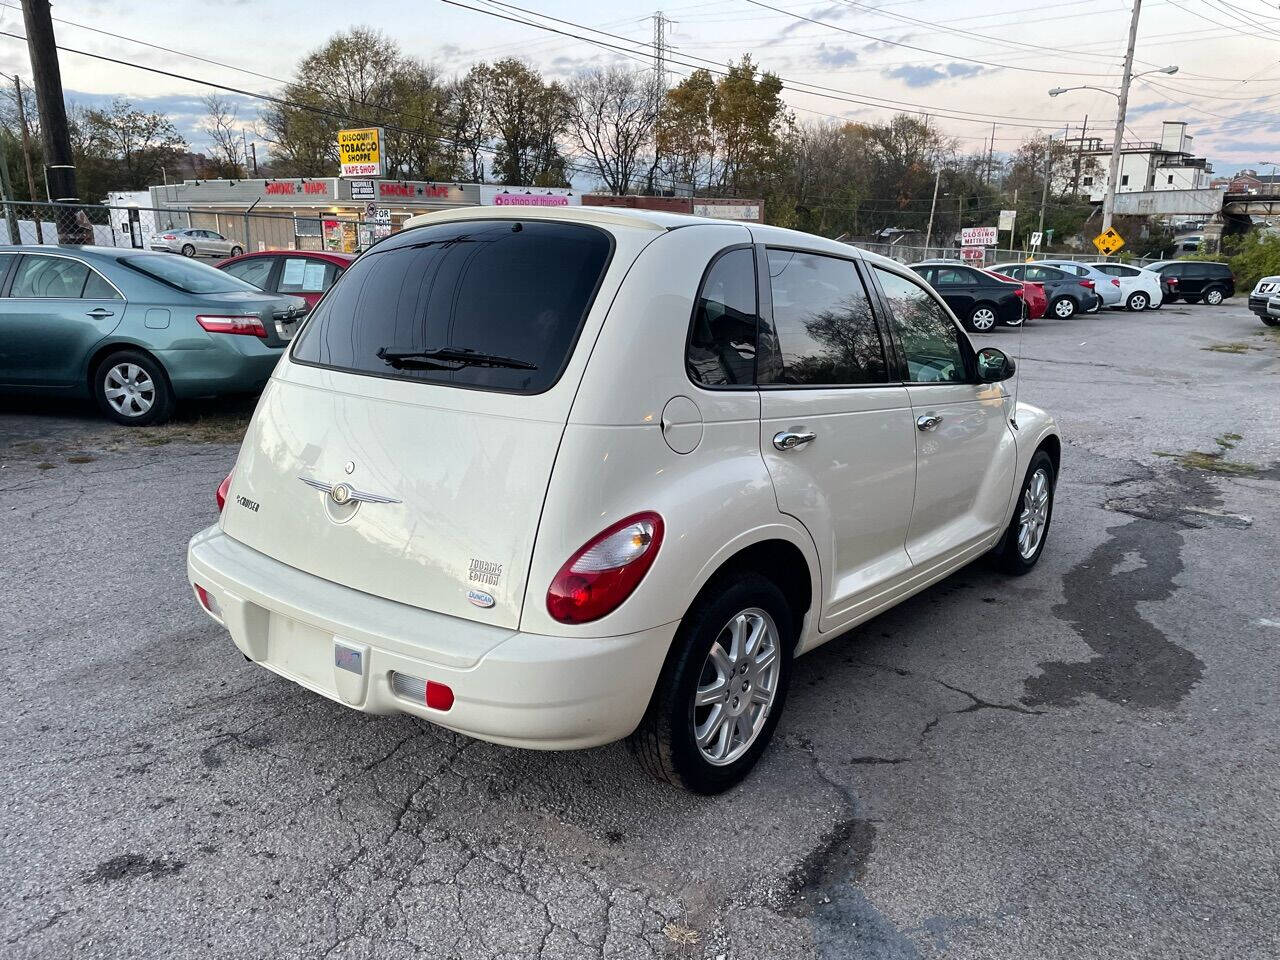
(1113, 176)
(928, 234)
(9, 206)
(59, 167)
(26, 154)
(986, 179)
(253, 153)
(1044, 196)
(1075, 183)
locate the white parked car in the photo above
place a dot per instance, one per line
(1104, 285)
(1139, 289)
(552, 478)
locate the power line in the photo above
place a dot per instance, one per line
(818, 90)
(938, 53)
(281, 101)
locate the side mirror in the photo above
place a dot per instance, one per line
(994, 365)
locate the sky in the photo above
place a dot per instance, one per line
(966, 65)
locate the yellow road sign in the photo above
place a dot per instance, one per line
(1108, 241)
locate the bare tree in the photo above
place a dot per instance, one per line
(225, 136)
(612, 115)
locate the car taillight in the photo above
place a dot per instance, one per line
(251, 326)
(169, 236)
(208, 601)
(605, 570)
(1115, 281)
(223, 488)
(1171, 281)
(1019, 292)
(1087, 283)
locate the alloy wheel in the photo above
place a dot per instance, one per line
(1213, 297)
(1138, 301)
(1064, 308)
(984, 318)
(1035, 514)
(737, 687)
(129, 389)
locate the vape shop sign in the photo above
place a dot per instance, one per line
(360, 152)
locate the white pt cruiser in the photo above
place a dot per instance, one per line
(552, 478)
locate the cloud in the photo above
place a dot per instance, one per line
(835, 56)
(185, 111)
(1141, 110)
(927, 76)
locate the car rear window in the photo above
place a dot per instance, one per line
(187, 275)
(484, 304)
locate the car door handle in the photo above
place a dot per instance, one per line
(98, 313)
(788, 440)
(928, 421)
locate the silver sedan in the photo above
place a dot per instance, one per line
(192, 242)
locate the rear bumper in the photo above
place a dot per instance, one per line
(220, 363)
(526, 690)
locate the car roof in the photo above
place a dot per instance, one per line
(86, 250)
(603, 216)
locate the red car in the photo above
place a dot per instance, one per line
(1032, 294)
(301, 273)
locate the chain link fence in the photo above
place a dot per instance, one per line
(162, 228)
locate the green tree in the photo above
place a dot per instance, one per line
(121, 148)
(528, 117)
(356, 78)
(685, 142)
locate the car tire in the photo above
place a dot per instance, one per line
(710, 641)
(131, 388)
(1064, 308)
(237, 251)
(188, 250)
(1214, 296)
(1138, 301)
(1032, 515)
(982, 318)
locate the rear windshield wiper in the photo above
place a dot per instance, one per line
(449, 358)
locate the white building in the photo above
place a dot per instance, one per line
(1144, 165)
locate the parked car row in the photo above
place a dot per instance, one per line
(1011, 293)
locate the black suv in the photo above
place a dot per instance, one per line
(1065, 294)
(1195, 280)
(977, 298)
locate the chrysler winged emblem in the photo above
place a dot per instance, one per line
(344, 493)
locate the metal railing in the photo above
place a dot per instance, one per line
(23, 222)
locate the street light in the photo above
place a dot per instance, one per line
(1109, 201)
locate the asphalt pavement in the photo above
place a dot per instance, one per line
(1079, 763)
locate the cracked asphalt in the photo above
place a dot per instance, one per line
(1082, 762)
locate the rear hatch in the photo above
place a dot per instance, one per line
(406, 447)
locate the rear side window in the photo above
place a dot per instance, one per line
(488, 304)
(255, 271)
(722, 338)
(306, 275)
(827, 334)
(49, 278)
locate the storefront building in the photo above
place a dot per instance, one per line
(331, 213)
